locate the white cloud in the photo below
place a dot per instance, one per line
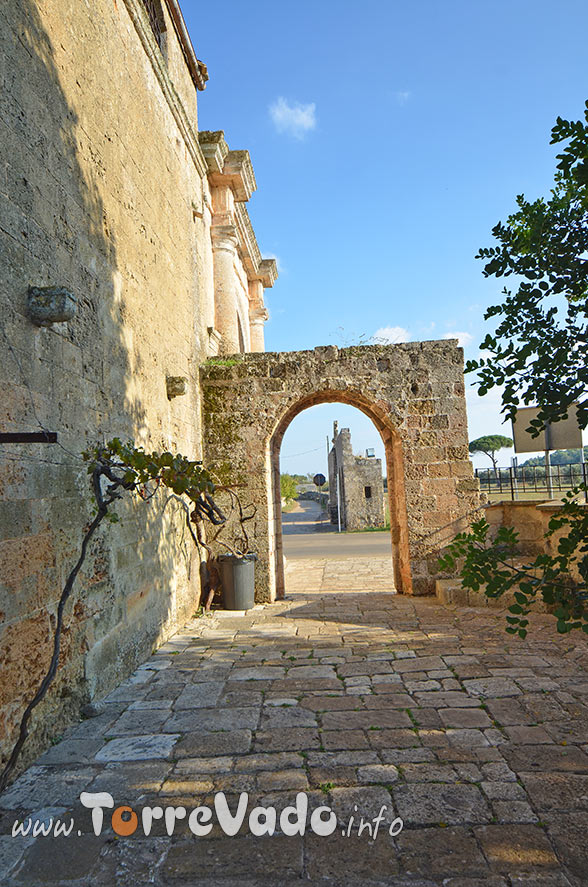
(462, 338)
(402, 96)
(391, 335)
(293, 119)
(279, 262)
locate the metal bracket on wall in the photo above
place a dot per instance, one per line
(28, 437)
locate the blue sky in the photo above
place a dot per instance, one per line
(387, 139)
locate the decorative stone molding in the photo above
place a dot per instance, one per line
(233, 169)
(267, 272)
(214, 148)
(140, 20)
(224, 237)
(214, 342)
(258, 315)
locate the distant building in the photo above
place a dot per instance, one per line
(361, 486)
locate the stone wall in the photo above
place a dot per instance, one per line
(361, 487)
(105, 191)
(414, 393)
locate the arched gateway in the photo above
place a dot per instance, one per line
(414, 394)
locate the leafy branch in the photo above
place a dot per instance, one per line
(559, 580)
(117, 469)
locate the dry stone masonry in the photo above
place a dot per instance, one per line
(414, 394)
(356, 487)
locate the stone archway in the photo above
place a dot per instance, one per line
(395, 473)
(414, 394)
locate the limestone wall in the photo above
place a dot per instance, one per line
(101, 185)
(361, 487)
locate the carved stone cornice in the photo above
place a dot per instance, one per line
(138, 15)
(268, 272)
(248, 248)
(233, 169)
(214, 148)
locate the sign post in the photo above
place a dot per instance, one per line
(562, 435)
(319, 480)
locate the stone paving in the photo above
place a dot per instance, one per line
(361, 701)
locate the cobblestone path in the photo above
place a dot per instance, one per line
(361, 701)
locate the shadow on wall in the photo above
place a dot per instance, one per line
(56, 231)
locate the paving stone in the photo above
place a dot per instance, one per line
(288, 717)
(211, 719)
(76, 857)
(139, 722)
(200, 695)
(364, 720)
(435, 851)
(278, 780)
(201, 766)
(72, 751)
(302, 672)
(464, 717)
(503, 791)
(513, 811)
(338, 859)
(280, 701)
(407, 755)
(342, 739)
(390, 739)
(515, 848)
(330, 777)
(254, 763)
(389, 700)
(259, 673)
(545, 757)
(491, 687)
(139, 748)
(341, 758)
(286, 739)
(466, 738)
(131, 779)
(427, 772)
(567, 832)
(529, 735)
(364, 801)
(277, 857)
(383, 773)
(433, 803)
(556, 791)
(38, 785)
(231, 742)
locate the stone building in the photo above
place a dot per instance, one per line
(108, 191)
(356, 486)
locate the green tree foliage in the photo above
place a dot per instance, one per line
(559, 457)
(288, 487)
(539, 355)
(490, 444)
(539, 351)
(559, 580)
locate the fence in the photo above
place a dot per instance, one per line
(530, 481)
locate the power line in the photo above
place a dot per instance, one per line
(306, 452)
